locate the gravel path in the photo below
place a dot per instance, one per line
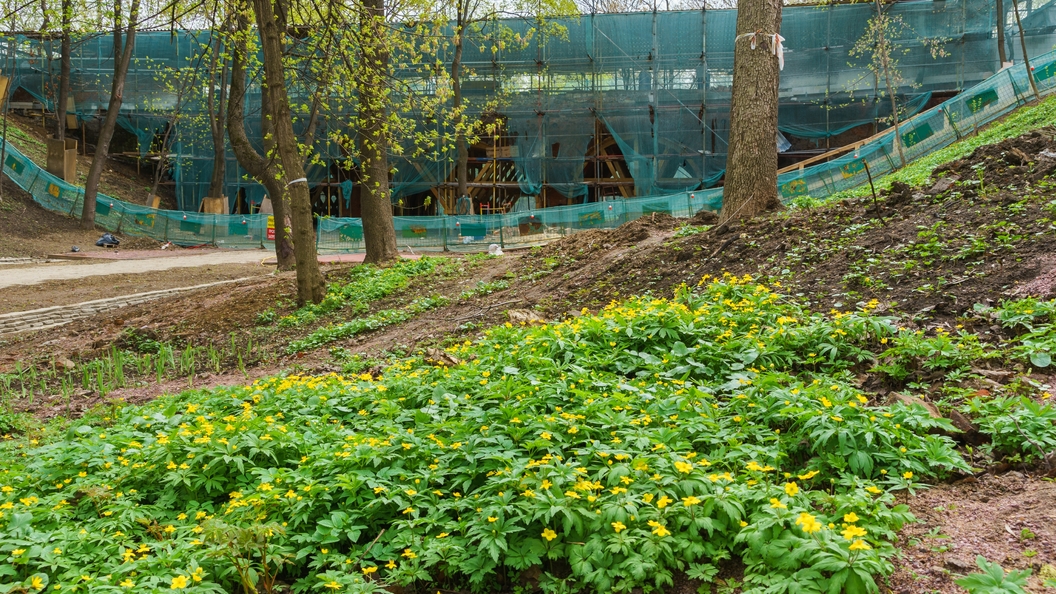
(50, 317)
(31, 275)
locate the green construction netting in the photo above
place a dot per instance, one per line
(928, 131)
(658, 83)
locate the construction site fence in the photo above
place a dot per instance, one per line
(929, 131)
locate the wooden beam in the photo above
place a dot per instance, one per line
(833, 153)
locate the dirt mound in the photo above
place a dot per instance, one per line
(934, 250)
(27, 230)
(1029, 157)
(598, 240)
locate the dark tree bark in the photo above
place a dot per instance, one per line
(64, 71)
(462, 167)
(999, 8)
(310, 285)
(122, 58)
(379, 235)
(751, 165)
(882, 59)
(1023, 45)
(261, 168)
(216, 101)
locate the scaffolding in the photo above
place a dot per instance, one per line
(618, 106)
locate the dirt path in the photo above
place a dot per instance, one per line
(35, 274)
(58, 315)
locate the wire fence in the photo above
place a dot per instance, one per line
(929, 131)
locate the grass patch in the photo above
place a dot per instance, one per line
(381, 319)
(363, 285)
(1018, 122)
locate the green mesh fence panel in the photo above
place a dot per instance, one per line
(933, 129)
(659, 84)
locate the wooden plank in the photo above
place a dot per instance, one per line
(833, 153)
(214, 205)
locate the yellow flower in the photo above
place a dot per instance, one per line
(57, 551)
(332, 585)
(36, 583)
(390, 565)
(617, 526)
(808, 523)
(549, 534)
(545, 485)
(684, 467)
(408, 553)
(776, 504)
(860, 545)
(369, 570)
(648, 498)
(853, 532)
(658, 528)
(689, 501)
(127, 584)
(492, 519)
(808, 476)
(17, 552)
(907, 475)
(850, 518)
(872, 489)
(663, 501)
(791, 489)
(743, 523)
(178, 583)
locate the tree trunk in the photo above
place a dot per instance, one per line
(260, 168)
(379, 235)
(883, 54)
(462, 167)
(64, 71)
(1023, 45)
(310, 285)
(216, 122)
(106, 132)
(1001, 51)
(751, 165)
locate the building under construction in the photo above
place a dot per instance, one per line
(622, 105)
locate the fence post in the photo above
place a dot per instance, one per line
(166, 228)
(1015, 89)
(949, 119)
(502, 240)
(443, 235)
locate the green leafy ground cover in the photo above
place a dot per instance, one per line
(604, 453)
(363, 285)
